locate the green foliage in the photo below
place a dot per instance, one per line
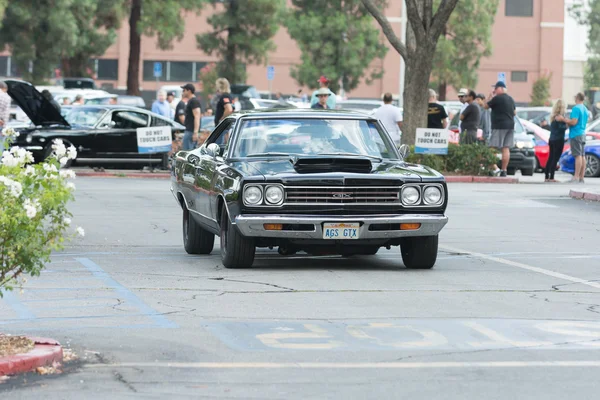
(337, 39)
(590, 16)
(591, 77)
(207, 77)
(242, 34)
(540, 95)
(470, 159)
(34, 217)
(466, 40)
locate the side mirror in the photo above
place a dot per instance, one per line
(213, 150)
(404, 151)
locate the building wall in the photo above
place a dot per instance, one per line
(522, 45)
(575, 54)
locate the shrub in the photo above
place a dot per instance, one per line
(466, 159)
(34, 216)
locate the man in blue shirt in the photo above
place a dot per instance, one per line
(324, 82)
(161, 106)
(577, 123)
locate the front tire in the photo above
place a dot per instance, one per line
(527, 172)
(419, 252)
(196, 240)
(510, 171)
(592, 166)
(237, 251)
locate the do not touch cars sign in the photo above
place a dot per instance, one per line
(154, 140)
(431, 141)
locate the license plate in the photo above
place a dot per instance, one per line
(340, 231)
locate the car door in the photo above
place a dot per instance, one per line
(207, 170)
(119, 136)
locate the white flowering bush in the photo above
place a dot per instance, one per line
(34, 220)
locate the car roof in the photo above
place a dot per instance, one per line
(300, 113)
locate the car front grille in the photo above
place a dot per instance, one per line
(341, 195)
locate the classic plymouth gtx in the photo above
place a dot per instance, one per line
(322, 182)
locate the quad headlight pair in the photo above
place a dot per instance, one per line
(257, 195)
(418, 195)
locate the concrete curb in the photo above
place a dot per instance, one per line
(480, 179)
(151, 175)
(584, 195)
(45, 352)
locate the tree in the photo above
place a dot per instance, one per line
(540, 95)
(589, 15)
(465, 40)
(242, 34)
(426, 26)
(96, 26)
(37, 33)
(337, 39)
(151, 17)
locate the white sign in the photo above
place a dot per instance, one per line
(154, 140)
(502, 77)
(431, 141)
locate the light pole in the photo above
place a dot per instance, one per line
(345, 40)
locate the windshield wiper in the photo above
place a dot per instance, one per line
(268, 154)
(351, 154)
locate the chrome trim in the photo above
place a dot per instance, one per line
(31, 148)
(392, 193)
(283, 197)
(419, 199)
(252, 225)
(422, 187)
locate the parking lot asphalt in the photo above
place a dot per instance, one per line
(511, 309)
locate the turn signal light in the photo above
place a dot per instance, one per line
(273, 227)
(409, 227)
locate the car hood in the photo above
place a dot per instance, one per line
(39, 110)
(283, 169)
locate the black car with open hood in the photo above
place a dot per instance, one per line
(322, 182)
(103, 133)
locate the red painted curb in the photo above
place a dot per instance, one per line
(576, 194)
(494, 179)
(591, 196)
(123, 175)
(45, 352)
(459, 179)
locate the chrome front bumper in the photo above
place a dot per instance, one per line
(252, 225)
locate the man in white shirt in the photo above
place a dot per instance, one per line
(391, 118)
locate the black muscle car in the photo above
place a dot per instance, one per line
(97, 131)
(322, 182)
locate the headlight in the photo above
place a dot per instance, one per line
(274, 194)
(432, 195)
(410, 195)
(29, 138)
(252, 195)
(520, 145)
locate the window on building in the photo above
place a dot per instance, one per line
(181, 71)
(148, 72)
(519, 8)
(107, 69)
(518, 76)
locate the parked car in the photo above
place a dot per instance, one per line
(361, 105)
(307, 180)
(534, 114)
(97, 131)
(79, 83)
(592, 158)
(126, 100)
(87, 94)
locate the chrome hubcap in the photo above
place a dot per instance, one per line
(592, 165)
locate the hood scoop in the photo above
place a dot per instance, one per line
(305, 165)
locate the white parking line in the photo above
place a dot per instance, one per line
(523, 266)
(351, 365)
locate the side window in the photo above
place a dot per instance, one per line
(160, 122)
(129, 120)
(221, 135)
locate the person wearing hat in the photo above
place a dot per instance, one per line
(323, 95)
(503, 123)
(485, 123)
(192, 117)
(324, 83)
(462, 97)
(171, 101)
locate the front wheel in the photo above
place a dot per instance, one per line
(510, 171)
(196, 240)
(592, 165)
(237, 251)
(419, 252)
(527, 172)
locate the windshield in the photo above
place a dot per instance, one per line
(84, 116)
(312, 137)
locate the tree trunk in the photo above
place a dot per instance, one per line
(416, 95)
(135, 48)
(442, 87)
(231, 70)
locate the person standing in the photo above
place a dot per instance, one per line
(48, 96)
(462, 97)
(503, 124)
(180, 110)
(79, 101)
(5, 101)
(225, 102)
(485, 122)
(324, 84)
(391, 118)
(323, 95)
(172, 105)
(577, 122)
(558, 127)
(161, 105)
(192, 117)
(470, 119)
(437, 118)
